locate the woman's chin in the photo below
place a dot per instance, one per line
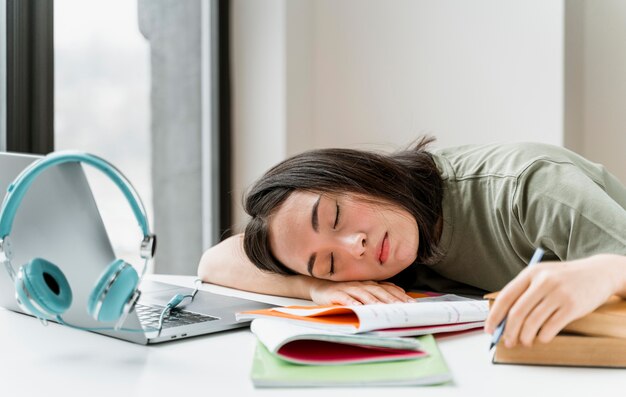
(405, 261)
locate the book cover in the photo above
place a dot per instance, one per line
(567, 350)
(363, 318)
(304, 345)
(270, 371)
(597, 339)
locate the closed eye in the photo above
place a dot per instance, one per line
(332, 256)
(336, 215)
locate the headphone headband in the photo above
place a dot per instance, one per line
(19, 187)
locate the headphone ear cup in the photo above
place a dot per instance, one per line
(115, 287)
(42, 289)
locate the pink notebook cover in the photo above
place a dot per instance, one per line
(331, 353)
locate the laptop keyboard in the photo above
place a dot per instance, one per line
(149, 317)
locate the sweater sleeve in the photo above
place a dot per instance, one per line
(569, 211)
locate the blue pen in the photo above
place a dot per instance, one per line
(498, 332)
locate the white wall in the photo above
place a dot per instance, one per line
(376, 74)
(604, 84)
(258, 73)
(464, 71)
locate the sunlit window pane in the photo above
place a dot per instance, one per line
(102, 103)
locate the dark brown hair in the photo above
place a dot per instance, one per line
(408, 179)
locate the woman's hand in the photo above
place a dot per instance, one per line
(324, 292)
(546, 297)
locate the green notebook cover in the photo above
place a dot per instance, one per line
(270, 371)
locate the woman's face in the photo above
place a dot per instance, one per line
(342, 238)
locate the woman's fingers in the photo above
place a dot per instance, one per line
(555, 323)
(396, 291)
(363, 295)
(505, 300)
(391, 285)
(536, 320)
(388, 295)
(516, 302)
(367, 292)
(374, 293)
(527, 302)
(342, 298)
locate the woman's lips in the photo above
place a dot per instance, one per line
(384, 249)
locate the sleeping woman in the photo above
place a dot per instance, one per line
(356, 227)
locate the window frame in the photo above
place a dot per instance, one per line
(29, 76)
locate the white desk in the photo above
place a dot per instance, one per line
(59, 361)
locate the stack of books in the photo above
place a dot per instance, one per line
(595, 340)
(365, 345)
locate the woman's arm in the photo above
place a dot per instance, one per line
(544, 298)
(227, 264)
(580, 220)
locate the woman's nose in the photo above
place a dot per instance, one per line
(355, 244)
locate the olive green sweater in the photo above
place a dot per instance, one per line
(502, 201)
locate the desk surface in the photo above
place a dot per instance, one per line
(56, 360)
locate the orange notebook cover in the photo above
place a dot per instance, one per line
(364, 318)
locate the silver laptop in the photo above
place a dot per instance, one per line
(58, 220)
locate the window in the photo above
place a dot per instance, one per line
(102, 103)
(137, 83)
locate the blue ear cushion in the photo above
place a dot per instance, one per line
(47, 286)
(122, 280)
